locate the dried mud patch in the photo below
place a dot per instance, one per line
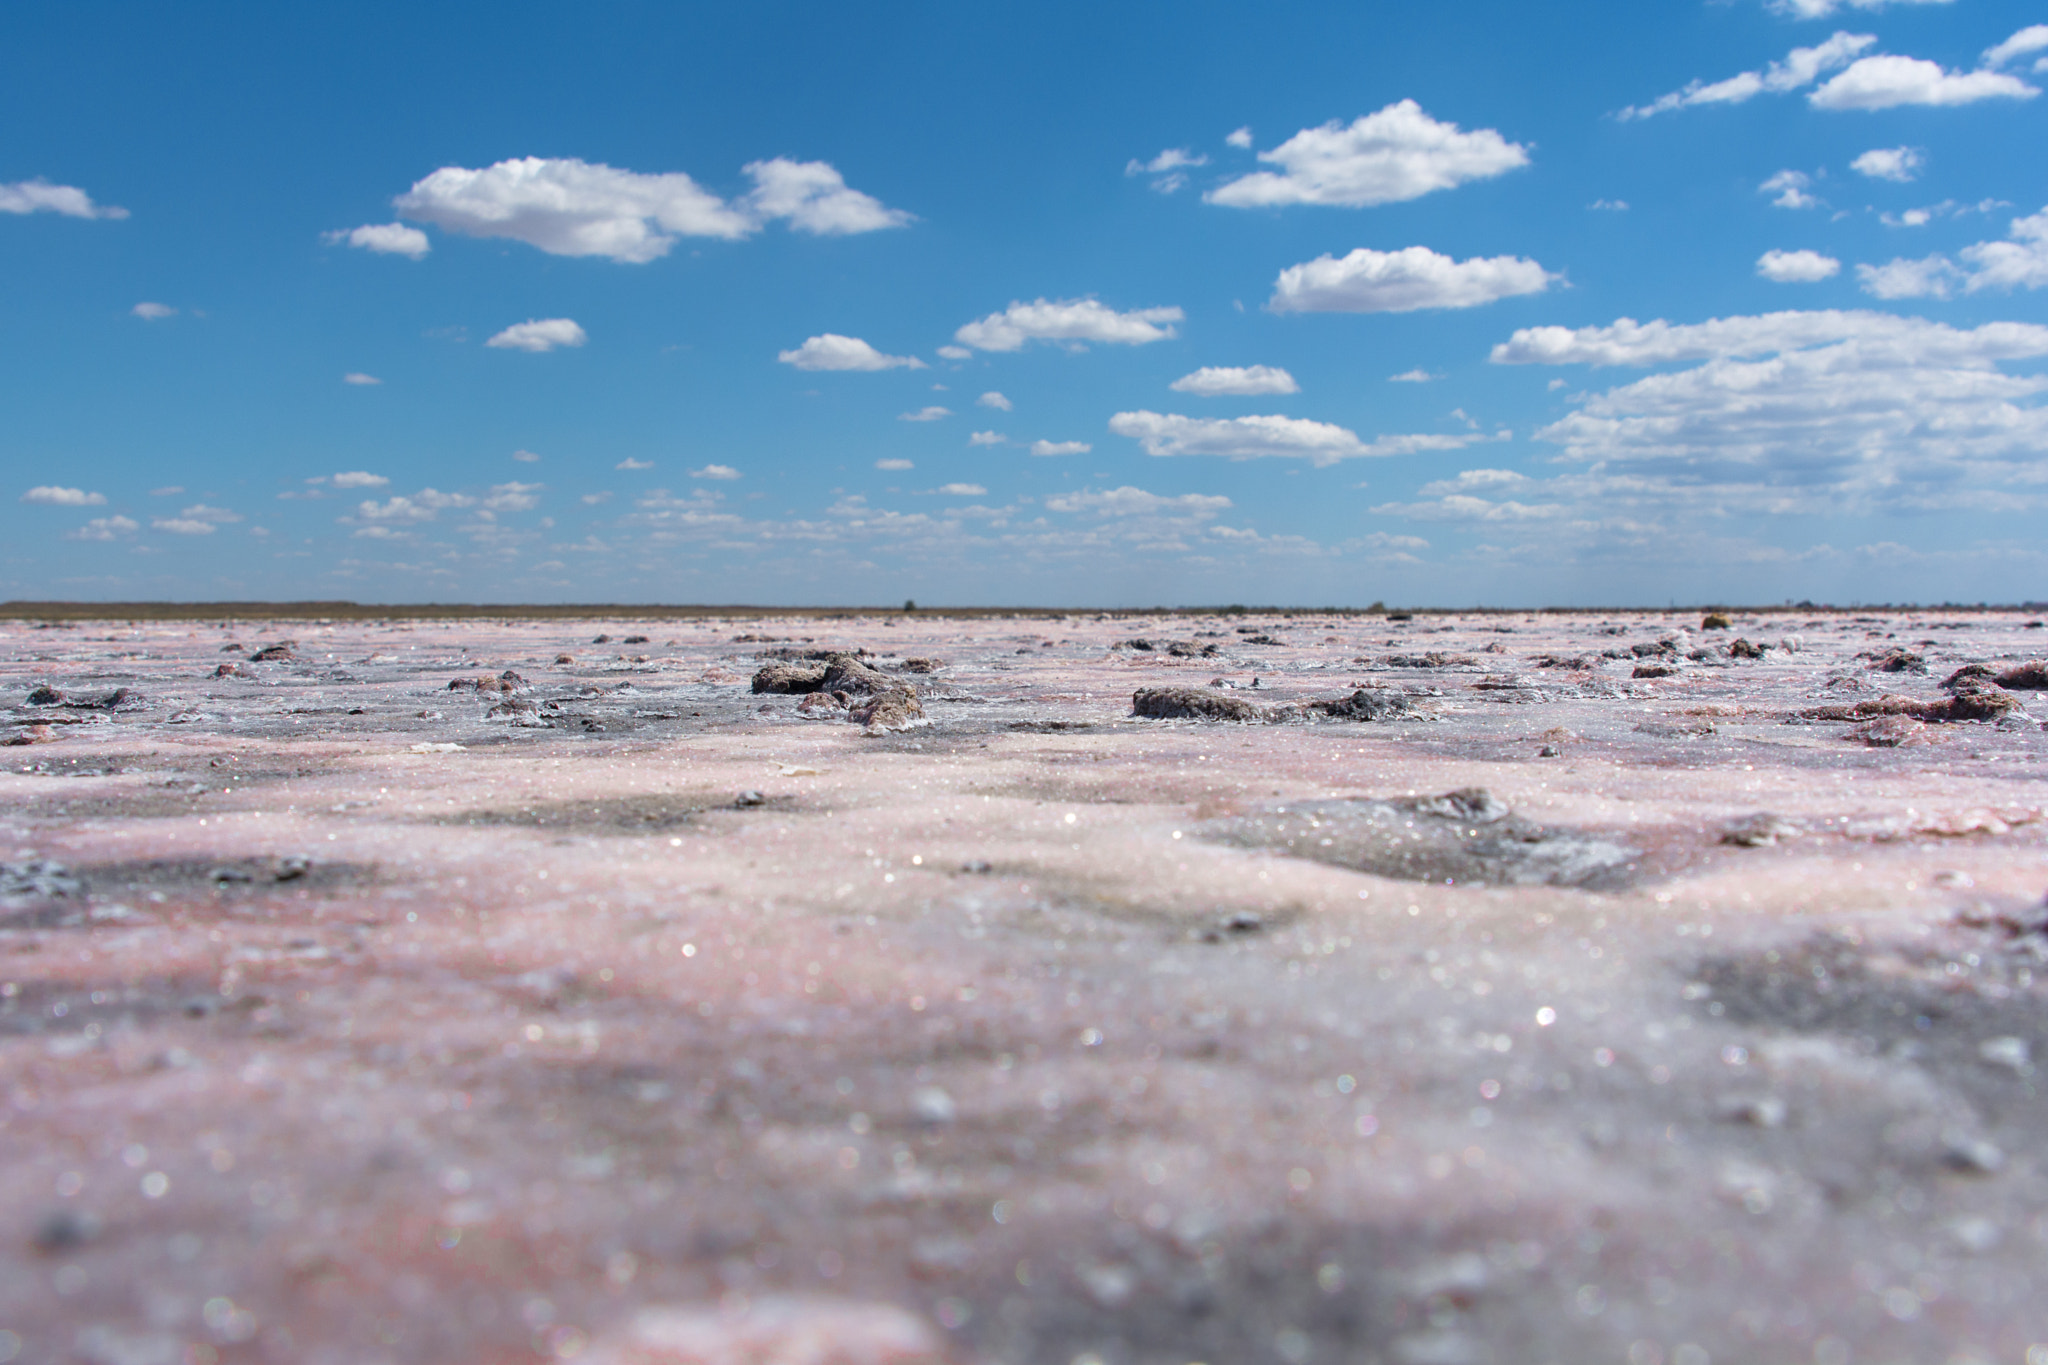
(1461, 838)
(648, 813)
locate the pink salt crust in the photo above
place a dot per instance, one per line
(1012, 1036)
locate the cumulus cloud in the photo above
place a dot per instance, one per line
(1216, 381)
(1471, 508)
(55, 495)
(386, 239)
(1804, 412)
(1368, 281)
(930, 414)
(1796, 267)
(1168, 169)
(1253, 438)
(716, 472)
(1609, 205)
(1241, 138)
(831, 351)
(961, 490)
(1418, 375)
(1069, 322)
(1821, 9)
(2019, 262)
(1900, 164)
(955, 353)
(1136, 502)
(152, 312)
(169, 490)
(895, 465)
(359, 378)
(201, 512)
(986, 438)
(630, 463)
(1397, 154)
(1886, 82)
(512, 497)
(1802, 67)
(104, 528)
(992, 399)
(183, 526)
(2030, 39)
(424, 505)
(358, 478)
(1060, 448)
(1791, 188)
(538, 335)
(40, 196)
(568, 207)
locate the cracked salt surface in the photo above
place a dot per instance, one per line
(1504, 1007)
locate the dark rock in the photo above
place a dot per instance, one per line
(1192, 703)
(1652, 671)
(1743, 649)
(634, 640)
(748, 799)
(227, 874)
(1898, 661)
(2029, 677)
(37, 879)
(1970, 678)
(1761, 830)
(1369, 704)
(896, 708)
(283, 652)
(67, 1230)
(1145, 645)
(1259, 640)
(45, 695)
(1433, 659)
(230, 670)
(565, 658)
(919, 665)
(789, 678)
(1715, 621)
(844, 673)
(231, 648)
(601, 639)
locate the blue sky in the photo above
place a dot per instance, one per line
(1473, 303)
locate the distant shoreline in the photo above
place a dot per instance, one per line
(52, 612)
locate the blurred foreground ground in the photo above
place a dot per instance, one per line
(616, 1012)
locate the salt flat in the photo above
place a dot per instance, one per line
(1583, 988)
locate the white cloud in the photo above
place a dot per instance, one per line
(1474, 480)
(53, 495)
(424, 505)
(40, 196)
(1791, 189)
(716, 472)
(986, 438)
(1821, 9)
(815, 198)
(539, 335)
(895, 465)
(1045, 448)
(169, 490)
(201, 512)
(183, 526)
(1415, 277)
(1215, 381)
(831, 351)
(1900, 164)
(1252, 438)
(1885, 82)
(357, 478)
(2032, 38)
(593, 499)
(568, 207)
(955, 353)
(1072, 322)
(930, 414)
(513, 497)
(961, 490)
(1167, 168)
(630, 463)
(1136, 502)
(1802, 66)
(1804, 413)
(104, 528)
(525, 457)
(2020, 262)
(1609, 205)
(1418, 375)
(386, 239)
(992, 399)
(1905, 340)
(1241, 138)
(358, 377)
(153, 312)
(1933, 277)
(1796, 267)
(1397, 154)
(1466, 507)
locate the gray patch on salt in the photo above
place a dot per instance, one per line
(1466, 836)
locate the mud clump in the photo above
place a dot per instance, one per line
(2028, 677)
(37, 879)
(45, 695)
(1890, 732)
(894, 709)
(1716, 621)
(1367, 704)
(1743, 649)
(922, 665)
(283, 652)
(1897, 661)
(1967, 705)
(1192, 703)
(230, 670)
(505, 682)
(1468, 836)
(1433, 659)
(841, 673)
(1652, 671)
